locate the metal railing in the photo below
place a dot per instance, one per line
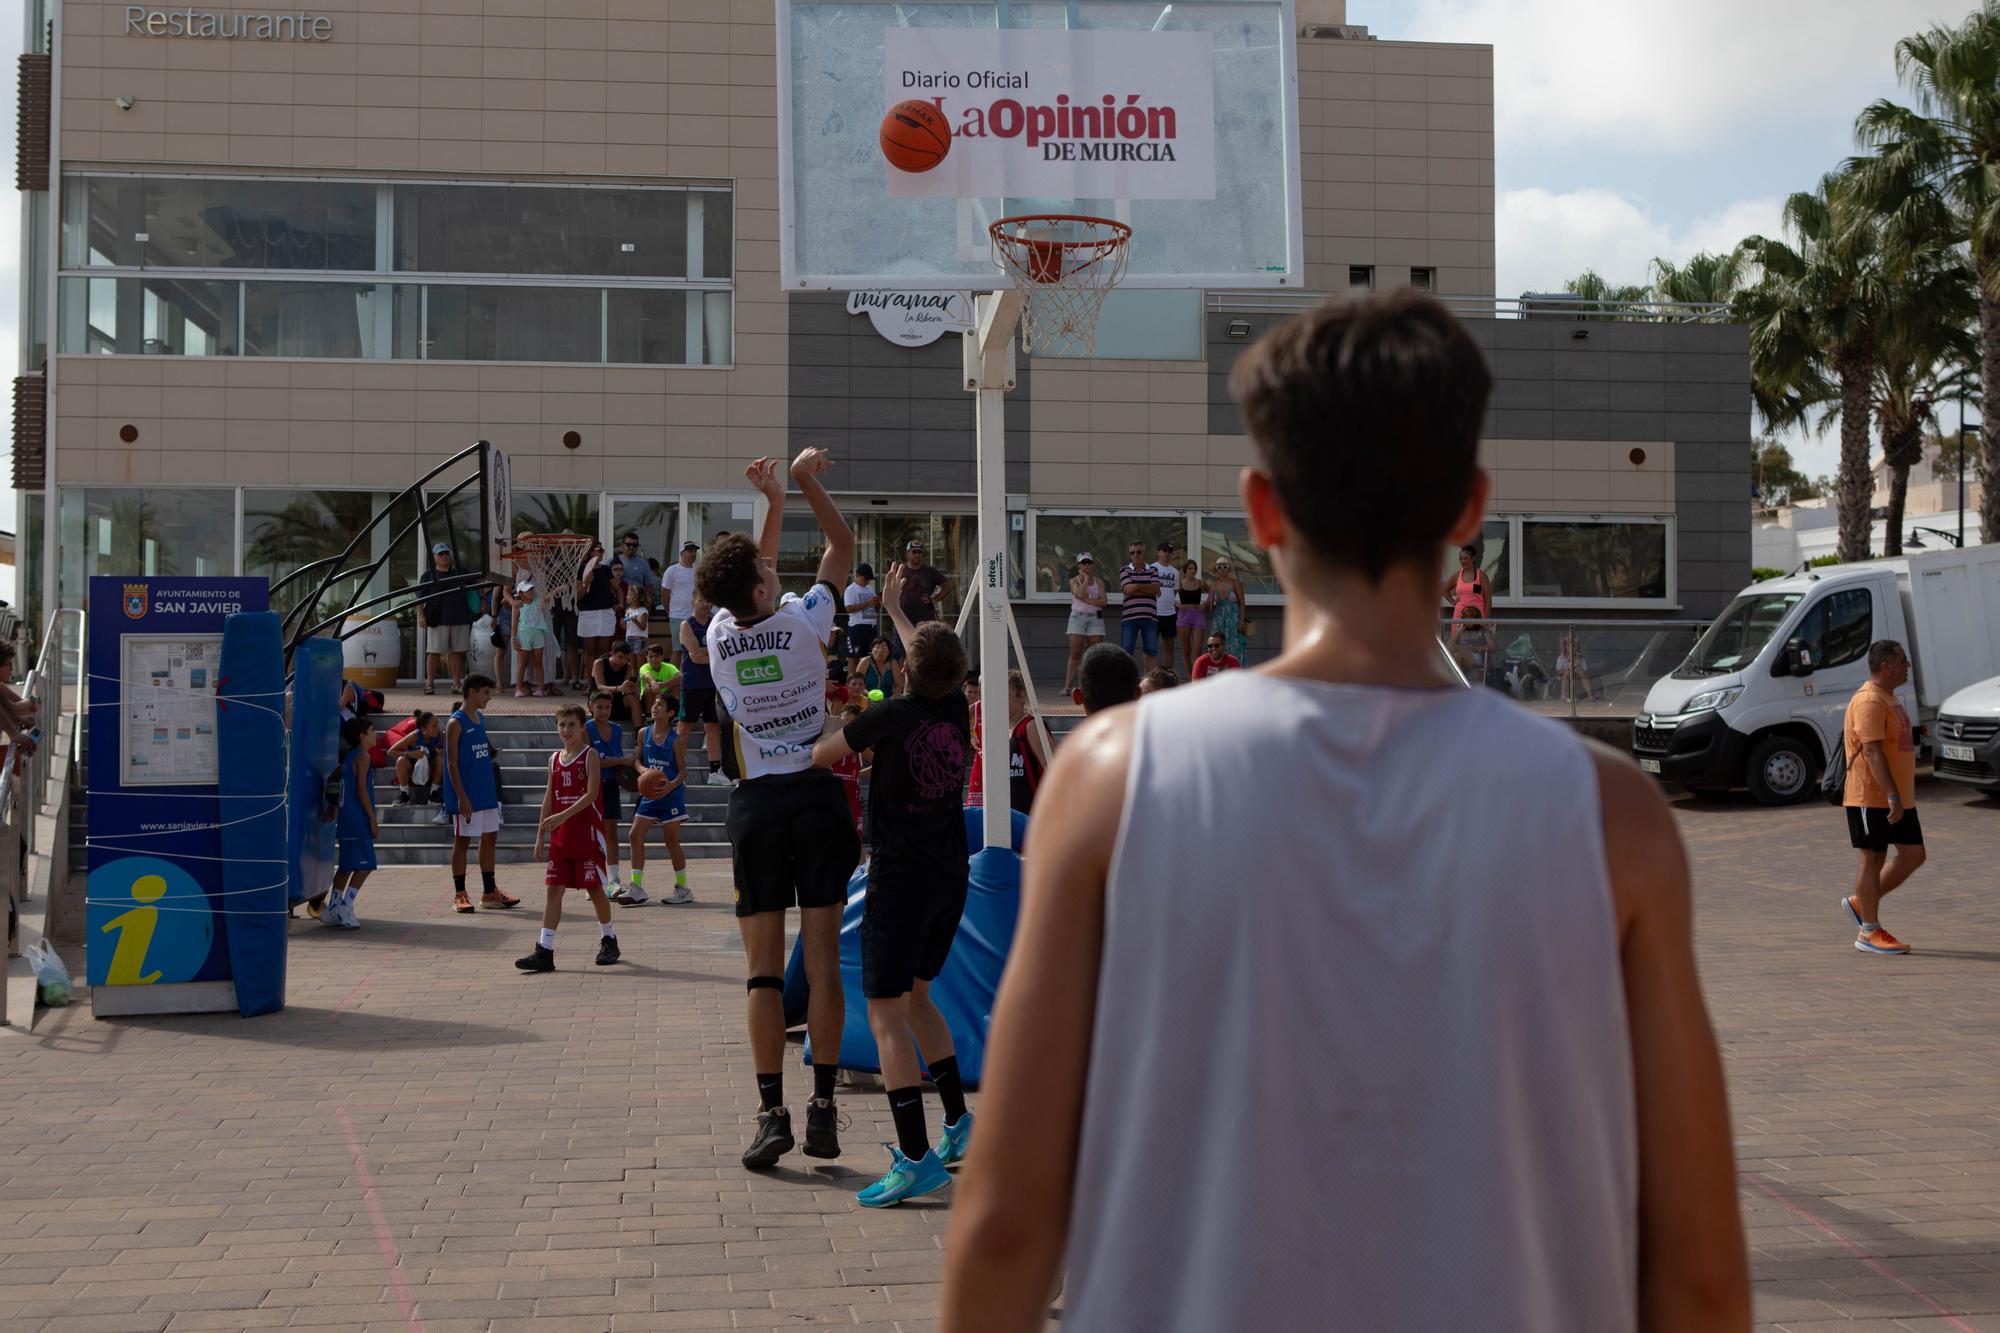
(1571, 668)
(1557, 307)
(24, 778)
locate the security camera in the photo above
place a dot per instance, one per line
(124, 103)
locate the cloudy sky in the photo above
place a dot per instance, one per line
(1626, 129)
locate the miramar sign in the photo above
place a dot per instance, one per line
(913, 319)
(143, 22)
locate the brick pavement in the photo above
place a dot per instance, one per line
(425, 1138)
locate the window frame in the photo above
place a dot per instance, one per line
(1190, 531)
(384, 272)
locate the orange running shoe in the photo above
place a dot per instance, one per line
(1879, 940)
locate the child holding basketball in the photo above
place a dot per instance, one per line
(608, 739)
(662, 800)
(356, 827)
(573, 826)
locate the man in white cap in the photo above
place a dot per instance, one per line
(677, 584)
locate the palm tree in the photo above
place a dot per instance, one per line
(1705, 278)
(1950, 142)
(1813, 315)
(1591, 286)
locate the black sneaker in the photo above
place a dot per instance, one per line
(822, 1128)
(774, 1139)
(405, 798)
(541, 960)
(607, 951)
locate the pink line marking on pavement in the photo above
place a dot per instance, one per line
(1872, 1261)
(401, 943)
(391, 1259)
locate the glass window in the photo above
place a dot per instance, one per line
(155, 531)
(1138, 324)
(148, 317)
(709, 519)
(193, 223)
(284, 530)
(1228, 538)
(668, 328)
(514, 324)
(518, 229)
(718, 233)
(1840, 628)
(656, 521)
(312, 319)
(1590, 560)
(1060, 538)
(557, 511)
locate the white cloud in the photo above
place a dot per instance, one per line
(1543, 238)
(1678, 77)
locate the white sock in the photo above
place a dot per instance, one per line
(548, 938)
(1869, 926)
(604, 929)
(347, 897)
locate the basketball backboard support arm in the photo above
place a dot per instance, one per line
(989, 374)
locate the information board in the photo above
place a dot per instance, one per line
(167, 724)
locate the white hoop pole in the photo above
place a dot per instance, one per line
(989, 373)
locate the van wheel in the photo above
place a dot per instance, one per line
(1780, 771)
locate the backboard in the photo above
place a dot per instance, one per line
(1181, 120)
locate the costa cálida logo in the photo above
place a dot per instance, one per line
(1038, 112)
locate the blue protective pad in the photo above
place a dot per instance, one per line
(250, 735)
(963, 991)
(315, 778)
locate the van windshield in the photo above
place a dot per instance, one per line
(1738, 634)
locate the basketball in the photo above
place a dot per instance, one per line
(652, 783)
(915, 136)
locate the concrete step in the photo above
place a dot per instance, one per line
(512, 854)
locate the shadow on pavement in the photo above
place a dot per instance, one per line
(338, 1029)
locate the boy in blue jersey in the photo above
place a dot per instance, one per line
(662, 749)
(472, 794)
(608, 739)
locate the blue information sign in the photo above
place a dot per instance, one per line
(158, 910)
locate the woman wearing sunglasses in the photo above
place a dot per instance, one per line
(1228, 613)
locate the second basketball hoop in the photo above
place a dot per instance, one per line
(1064, 265)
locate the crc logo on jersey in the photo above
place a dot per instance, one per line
(135, 601)
(759, 671)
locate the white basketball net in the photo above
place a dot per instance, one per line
(1064, 267)
(555, 561)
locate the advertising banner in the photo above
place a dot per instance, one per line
(1046, 112)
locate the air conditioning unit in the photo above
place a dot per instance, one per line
(1335, 32)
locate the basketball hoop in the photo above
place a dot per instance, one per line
(554, 560)
(1064, 265)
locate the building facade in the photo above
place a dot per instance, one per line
(280, 266)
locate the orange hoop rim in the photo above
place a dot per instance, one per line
(535, 542)
(1001, 234)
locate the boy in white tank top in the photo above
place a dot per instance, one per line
(1387, 1081)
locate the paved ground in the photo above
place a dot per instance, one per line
(425, 1139)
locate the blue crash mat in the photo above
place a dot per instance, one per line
(964, 990)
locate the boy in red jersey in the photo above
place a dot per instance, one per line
(573, 823)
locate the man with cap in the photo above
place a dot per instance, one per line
(446, 619)
(1164, 605)
(678, 583)
(924, 585)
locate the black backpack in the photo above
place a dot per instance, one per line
(1833, 782)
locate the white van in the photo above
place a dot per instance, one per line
(1759, 700)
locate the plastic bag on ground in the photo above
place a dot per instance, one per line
(51, 977)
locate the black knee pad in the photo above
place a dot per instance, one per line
(765, 983)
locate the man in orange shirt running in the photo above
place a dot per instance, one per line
(1881, 794)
